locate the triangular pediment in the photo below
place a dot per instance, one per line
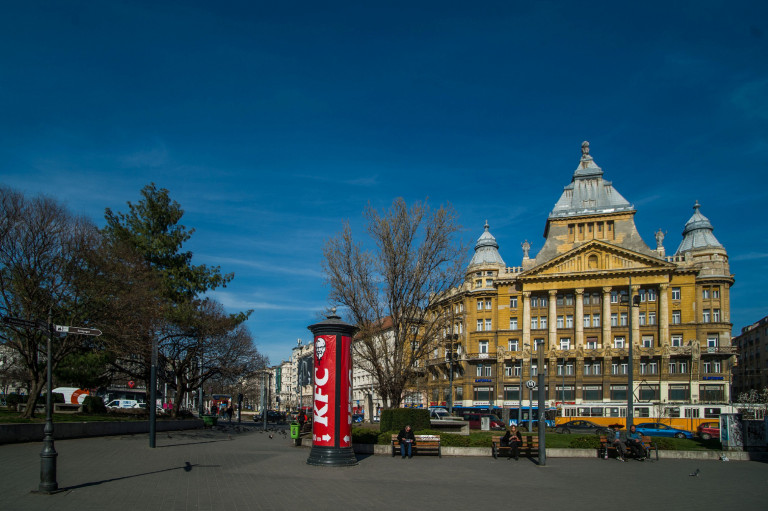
(595, 257)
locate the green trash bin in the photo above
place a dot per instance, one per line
(295, 430)
(210, 420)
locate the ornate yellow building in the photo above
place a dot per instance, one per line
(573, 297)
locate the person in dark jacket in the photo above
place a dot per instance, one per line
(406, 439)
(512, 439)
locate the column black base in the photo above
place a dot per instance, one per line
(332, 457)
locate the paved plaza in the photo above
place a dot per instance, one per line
(248, 470)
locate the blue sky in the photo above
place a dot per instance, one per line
(272, 123)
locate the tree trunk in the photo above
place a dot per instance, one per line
(181, 392)
(34, 394)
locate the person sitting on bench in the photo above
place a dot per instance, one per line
(512, 439)
(635, 443)
(617, 439)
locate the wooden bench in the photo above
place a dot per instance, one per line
(529, 447)
(613, 452)
(425, 444)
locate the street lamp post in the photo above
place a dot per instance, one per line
(450, 374)
(48, 483)
(632, 301)
(520, 392)
(530, 392)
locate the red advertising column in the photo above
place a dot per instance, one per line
(332, 411)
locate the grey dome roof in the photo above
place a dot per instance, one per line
(486, 250)
(588, 193)
(697, 233)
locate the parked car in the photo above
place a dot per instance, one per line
(272, 416)
(475, 420)
(442, 414)
(581, 426)
(123, 403)
(707, 430)
(376, 418)
(658, 429)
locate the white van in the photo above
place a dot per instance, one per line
(123, 403)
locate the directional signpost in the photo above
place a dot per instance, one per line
(77, 330)
(48, 483)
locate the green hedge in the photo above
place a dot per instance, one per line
(585, 442)
(94, 404)
(396, 419)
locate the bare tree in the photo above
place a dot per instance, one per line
(391, 292)
(42, 259)
(212, 345)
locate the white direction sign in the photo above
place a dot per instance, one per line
(77, 330)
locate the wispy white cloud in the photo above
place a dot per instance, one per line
(233, 301)
(750, 256)
(282, 268)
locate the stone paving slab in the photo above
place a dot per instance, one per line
(230, 470)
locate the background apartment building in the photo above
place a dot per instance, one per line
(751, 373)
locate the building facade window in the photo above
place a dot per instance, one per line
(592, 393)
(716, 315)
(479, 305)
(595, 320)
(587, 320)
(513, 344)
(677, 341)
(618, 392)
(713, 340)
(569, 321)
(647, 341)
(623, 318)
(513, 302)
(675, 317)
(676, 293)
(614, 319)
(534, 322)
(488, 324)
(651, 318)
(483, 346)
(479, 325)
(543, 322)
(705, 315)
(565, 343)
(513, 323)
(488, 304)
(560, 321)
(618, 342)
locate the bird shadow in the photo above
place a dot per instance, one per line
(187, 467)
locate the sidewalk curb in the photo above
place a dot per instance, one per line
(17, 433)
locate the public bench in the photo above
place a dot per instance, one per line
(529, 446)
(605, 446)
(425, 444)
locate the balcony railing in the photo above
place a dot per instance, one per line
(481, 356)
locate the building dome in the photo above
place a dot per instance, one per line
(486, 250)
(697, 233)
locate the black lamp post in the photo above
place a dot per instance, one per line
(48, 455)
(631, 301)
